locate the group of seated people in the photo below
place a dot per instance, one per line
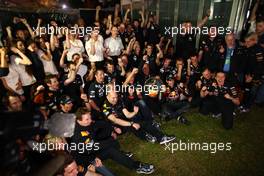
(66, 73)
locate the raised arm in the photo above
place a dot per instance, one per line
(125, 17)
(9, 34)
(97, 17)
(24, 21)
(3, 62)
(142, 17)
(159, 55)
(254, 10)
(167, 46)
(204, 20)
(52, 42)
(130, 76)
(25, 60)
(62, 59)
(109, 24)
(130, 45)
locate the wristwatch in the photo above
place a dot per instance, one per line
(131, 123)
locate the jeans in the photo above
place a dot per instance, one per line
(175, 108)
(103, 170)
(110, 149)
(218, 104)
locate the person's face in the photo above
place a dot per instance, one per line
(20, 34)
(188, 26)
(114, 32)
(122, 28)
(76, 58)
(95, 35)
(72, 36)
(124, 60)
(71, 169)
(146, 69)
(207, 74)
(137, 49)
(20, 46)
(110, 68)
(129, 29)
(260, 28)
(170, 82)
(34, 46)
(54, 84)
(136, 23)
(230, 40)
(220, 78)
(248, 42)
(194, 59)
(42, 43)
(112, 98)
(86, 120)
(15, 104)
(179, 63)
(67, 107)
(166, 63)
(81, 22)
(149, 49)
(99, 76)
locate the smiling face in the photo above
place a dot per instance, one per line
(220, 78)
(15, 104)
(86, 119)
(99, 76)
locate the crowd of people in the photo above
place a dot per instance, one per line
(61, 72)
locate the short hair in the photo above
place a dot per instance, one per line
(260, 20)
(81, 111)
(99, 69)
(75, 54)
(49, 77)
(6, 98)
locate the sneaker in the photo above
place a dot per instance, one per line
(150, 138)
(145, 169)
(167, 139)
(243, 110)
(128, 154)
(183, 120)
(216, 116)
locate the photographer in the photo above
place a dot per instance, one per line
(220, 99)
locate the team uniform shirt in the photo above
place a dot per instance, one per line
(185, 45)
(117, 110)
(176, 93)
(72, 89)
(134, 60)
(209, 47)
(226, 89)
(97, 93)
(82, 136)
(164, 72)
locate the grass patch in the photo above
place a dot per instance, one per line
(245, 158)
